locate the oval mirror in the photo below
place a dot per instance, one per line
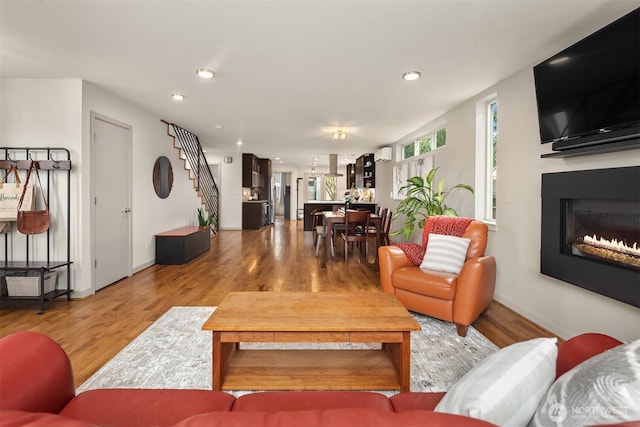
(162, 177)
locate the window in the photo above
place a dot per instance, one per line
(441, 138)
(425, 144)
(487, 159)
(409, 150)
(492, 163)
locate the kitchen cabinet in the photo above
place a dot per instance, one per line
(256, 172)
(365, 171)
(255, 214)
(369, 171)
(265, 173)
(351, 175)
(250, 171)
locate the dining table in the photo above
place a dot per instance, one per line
(337, 217)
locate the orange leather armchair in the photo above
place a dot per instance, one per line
(458, 298)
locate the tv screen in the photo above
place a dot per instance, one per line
(590, 91)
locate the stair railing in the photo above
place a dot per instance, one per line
(206, 186)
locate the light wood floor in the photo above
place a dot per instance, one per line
(276, 258)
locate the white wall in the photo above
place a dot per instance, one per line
(562, 308)
(230, 186)
(150, 214)
(46, 113)
(57, 113)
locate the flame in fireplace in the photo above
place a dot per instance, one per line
(613, 245)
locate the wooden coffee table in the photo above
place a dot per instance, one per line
(318, 317)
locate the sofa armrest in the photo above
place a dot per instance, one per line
(474, 289)
(390, 258)
(580, 348)
(36, 373)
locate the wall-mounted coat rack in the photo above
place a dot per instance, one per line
(51, 161)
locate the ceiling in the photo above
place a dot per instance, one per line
(290, 72)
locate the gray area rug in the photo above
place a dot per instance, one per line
(175, 353)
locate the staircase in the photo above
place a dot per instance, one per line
(196, 163)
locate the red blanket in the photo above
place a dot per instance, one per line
(441, 224)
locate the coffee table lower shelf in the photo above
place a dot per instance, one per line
(310, 370)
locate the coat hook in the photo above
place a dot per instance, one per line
(56, 164)
(11, 161)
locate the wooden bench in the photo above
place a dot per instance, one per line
(182, 245)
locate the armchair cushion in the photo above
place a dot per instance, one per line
(437, 284)
(445, 253)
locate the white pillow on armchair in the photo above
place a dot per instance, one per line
(445, 253)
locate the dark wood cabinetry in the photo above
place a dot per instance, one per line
(364, 171)
(351, 175)
(250, 171)
(256, 175)
(265, 172)
(255, 215)
(369, 171)
(256, 172)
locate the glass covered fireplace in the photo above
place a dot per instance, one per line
(603, 230)
(591, 230)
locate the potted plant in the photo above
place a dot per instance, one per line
(209, 221)
(422, 199)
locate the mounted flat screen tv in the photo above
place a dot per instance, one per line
(589, 93)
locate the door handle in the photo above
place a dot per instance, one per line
(126, 210)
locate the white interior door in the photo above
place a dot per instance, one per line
(111, 199)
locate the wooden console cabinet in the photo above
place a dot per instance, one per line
(182, 245)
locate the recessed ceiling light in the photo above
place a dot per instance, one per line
(218, 126)
(239, 142)
(205, 73)
(177, 96)
(411, 75)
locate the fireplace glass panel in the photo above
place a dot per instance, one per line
(603, 230)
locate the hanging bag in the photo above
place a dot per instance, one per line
(33, 222)
(10, 193)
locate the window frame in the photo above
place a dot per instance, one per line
(417, 143)
(486, 187)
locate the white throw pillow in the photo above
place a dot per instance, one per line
(445, 253)
(506, 387)
(604, 389)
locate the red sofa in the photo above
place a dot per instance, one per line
(37, 388)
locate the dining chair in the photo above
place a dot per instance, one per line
(386, 227)
(356, 230)
(373, 229)
(316, 220)
(321, 232)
